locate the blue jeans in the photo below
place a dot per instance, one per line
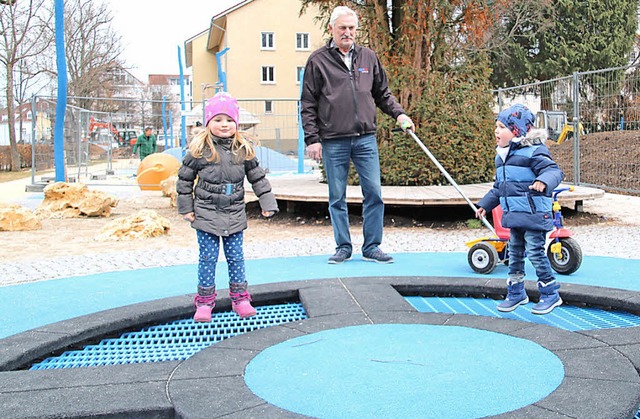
(533, 242)
(363, 151)
(209, 246)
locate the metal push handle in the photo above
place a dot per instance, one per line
(450, 179)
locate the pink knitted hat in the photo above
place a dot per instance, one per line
(222, 103)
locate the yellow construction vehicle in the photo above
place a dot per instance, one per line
(557, 125)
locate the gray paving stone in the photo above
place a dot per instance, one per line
(212, 397)
(131, 400)
(214, 361)
(403, 317)
(29, 381)
(593, 399)
(615, 336)
(378, 297)
(555, 339)
(260, 339)
(318, 324)
(493, 324)
(327, 299)
(599, 364)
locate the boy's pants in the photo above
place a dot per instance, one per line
(533, 242)
(209, 245)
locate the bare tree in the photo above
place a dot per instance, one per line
(25, 35)
(92, 49)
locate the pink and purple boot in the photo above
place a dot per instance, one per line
(204, 301)
(241, 300)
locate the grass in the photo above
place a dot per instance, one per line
(9, 176)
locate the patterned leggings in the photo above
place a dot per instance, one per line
(209, 245)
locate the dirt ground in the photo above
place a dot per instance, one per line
(69, 237)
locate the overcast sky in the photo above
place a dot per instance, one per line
(152, 30)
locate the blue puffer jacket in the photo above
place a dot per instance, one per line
(528, 160)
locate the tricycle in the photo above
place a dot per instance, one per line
(485, 253)
(563, 251)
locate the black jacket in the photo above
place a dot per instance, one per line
(220, 209)
(337, 102)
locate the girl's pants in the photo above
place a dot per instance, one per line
(209, 245)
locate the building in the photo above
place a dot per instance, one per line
(24, 123)
(259, 56)
(257, 50)
(165, 92)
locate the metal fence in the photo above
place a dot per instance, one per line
(99, 143)
(603, 112)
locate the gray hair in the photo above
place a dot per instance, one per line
(342, 11)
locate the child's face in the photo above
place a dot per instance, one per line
(222, 126)
(503, 134)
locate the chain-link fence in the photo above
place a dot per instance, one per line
(593, 119)
(99, 143)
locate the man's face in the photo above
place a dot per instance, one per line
(344, 32)
(147, 132)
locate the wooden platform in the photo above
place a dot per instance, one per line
(308, 188)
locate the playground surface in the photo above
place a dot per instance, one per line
(364, 348)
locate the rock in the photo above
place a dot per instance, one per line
(143, 224)
(13, 217)
(168, 187)
(74, 200)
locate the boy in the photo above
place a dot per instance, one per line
(526, 176)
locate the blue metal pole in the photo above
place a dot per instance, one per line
(300, 130)
(170, 129)
(183, 118)
(61, 105)
(222, 76)
(164, 119)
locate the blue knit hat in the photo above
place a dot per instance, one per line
(518, 118)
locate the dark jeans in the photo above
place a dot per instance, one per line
(533, 242)
(363, 151)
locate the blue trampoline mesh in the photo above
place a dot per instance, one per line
(172, 341)
(564, 317)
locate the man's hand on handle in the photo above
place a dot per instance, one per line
(406, 123)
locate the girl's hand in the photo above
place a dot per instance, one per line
(268, 214)
(481, 213)
(538, 186)
(191, 217)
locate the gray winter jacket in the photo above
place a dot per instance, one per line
(214, 191)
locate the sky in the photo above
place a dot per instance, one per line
(152, 30)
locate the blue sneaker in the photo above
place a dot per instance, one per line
(377, 256)
(516, 295)
(340, 256)
(549, 298)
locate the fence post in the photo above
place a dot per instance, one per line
(499, 99)
(300, 130)
(34, 121)
(576, 128)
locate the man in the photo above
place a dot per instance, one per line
(343, 84)
(146, 143)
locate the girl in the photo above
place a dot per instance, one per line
(211, 196)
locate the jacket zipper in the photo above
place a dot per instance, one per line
(359, 127)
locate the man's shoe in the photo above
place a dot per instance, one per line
(377, 256)
(341, 255)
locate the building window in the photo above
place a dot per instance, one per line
(302, 41)
(268, 106)
(268, 74)
(299, 71)
(268, 40)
